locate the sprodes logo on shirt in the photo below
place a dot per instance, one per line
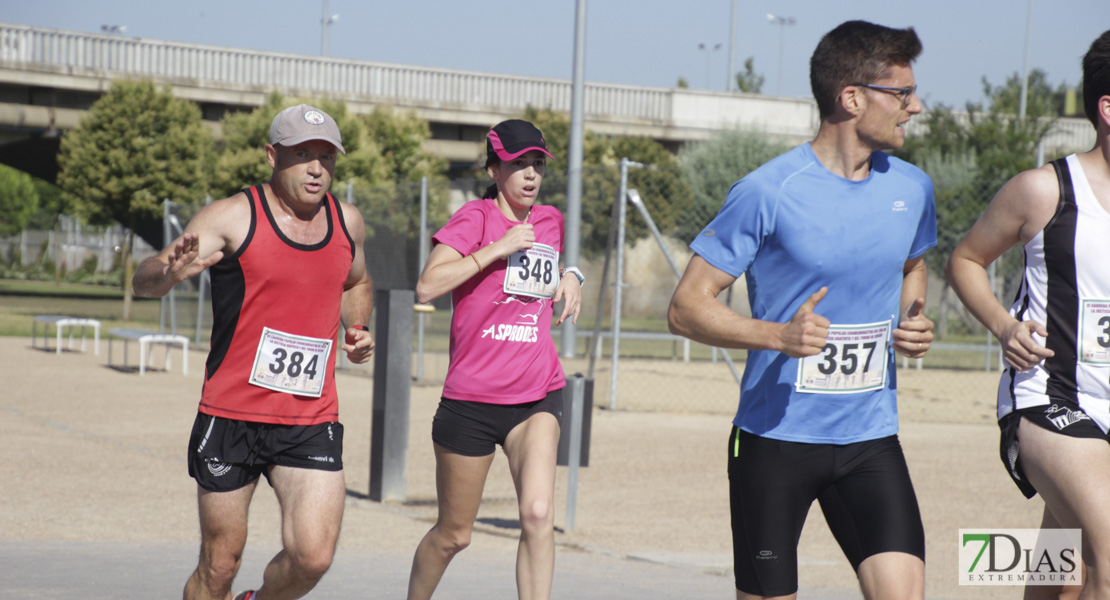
(513, 333)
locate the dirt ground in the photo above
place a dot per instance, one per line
(94, 453)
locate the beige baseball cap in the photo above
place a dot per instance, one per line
(301, 123)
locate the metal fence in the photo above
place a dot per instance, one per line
(638, 365)
(623, 340)
(69, 248)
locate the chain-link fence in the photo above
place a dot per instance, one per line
(392, 217)
(654, 369)
(72, 251)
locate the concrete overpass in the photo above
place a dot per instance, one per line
(49, 78)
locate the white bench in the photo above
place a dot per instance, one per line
(60, 323)
(146, 339)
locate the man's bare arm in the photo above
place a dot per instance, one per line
(696, 313)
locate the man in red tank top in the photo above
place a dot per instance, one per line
(287, 265)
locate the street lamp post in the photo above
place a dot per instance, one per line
(325, 22)
(782, 22)
(708, 50)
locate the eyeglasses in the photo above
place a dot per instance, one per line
(903, 94)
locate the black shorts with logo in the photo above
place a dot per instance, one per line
(226, 454)
(864, 490)
(1064, 418)
(476, 428)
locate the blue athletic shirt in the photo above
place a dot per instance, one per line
(791, 227)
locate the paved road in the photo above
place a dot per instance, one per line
(142, 571)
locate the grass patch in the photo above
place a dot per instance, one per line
(20, 301)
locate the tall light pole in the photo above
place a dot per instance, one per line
(730, 83)
(782, 22)
(708, 50)
(575, 149)
(326, 22)
(1025, 69)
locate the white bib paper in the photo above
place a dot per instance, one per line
(291, 363)
(854, 359)
(533, 272)
(1094, 331)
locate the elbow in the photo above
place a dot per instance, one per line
(423, 294)
(674, 321)
(950, 270)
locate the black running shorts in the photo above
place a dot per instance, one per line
(1063, 418)
(864, 490)
(476, 428)
(226, 454)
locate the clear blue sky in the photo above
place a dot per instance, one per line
(639, 42)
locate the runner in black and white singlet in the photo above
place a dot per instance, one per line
(1054, 397)
(1066, 286)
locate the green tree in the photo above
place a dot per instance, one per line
(19, 200)
(136, 146)
(242, 161)
(399, 139)
(1041, 100)
(970, 156)
(713, 165)
(748, 80)
(958, 193)
(383, 149)
(659, 180)
(51, 204)
(386, 170)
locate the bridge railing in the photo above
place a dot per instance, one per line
(661, 112)
(238, 67)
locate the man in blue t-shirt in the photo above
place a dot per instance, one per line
(831, 237)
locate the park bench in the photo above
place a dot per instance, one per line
(146, 339)
(60, 323)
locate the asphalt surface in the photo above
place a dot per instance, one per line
(141, 571)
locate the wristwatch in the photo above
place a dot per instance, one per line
(573, 271)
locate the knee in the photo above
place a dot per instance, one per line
(217, 570)
(451, 541)
(312, 563)
(537, 516)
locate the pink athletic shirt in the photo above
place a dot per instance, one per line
(501, 346)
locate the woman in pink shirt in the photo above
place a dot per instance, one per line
(499, 258)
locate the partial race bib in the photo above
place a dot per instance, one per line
(854, 359)
(1094, 331)
(291, 363)
(533, 272)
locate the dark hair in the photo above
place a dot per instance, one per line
(508, 140)
(857, 52)
(491, 192)
(1096, 75)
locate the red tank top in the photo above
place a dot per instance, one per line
(294, 290)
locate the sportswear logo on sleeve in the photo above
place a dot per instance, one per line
(900, 206)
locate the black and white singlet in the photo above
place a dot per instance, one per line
(1066, 286)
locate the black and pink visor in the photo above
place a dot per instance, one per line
(509, 139)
